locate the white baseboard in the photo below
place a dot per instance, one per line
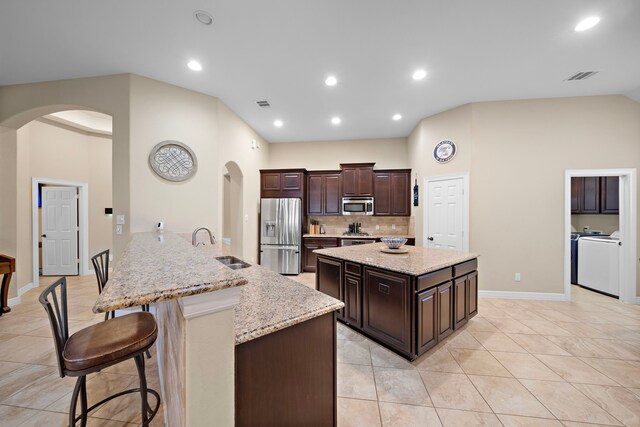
(17, 300)
(523, 295)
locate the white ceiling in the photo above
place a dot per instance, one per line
(282, 50)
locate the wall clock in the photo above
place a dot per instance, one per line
(173, 161)
(444, 151)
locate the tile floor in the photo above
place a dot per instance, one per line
(518, 363)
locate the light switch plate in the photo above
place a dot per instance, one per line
(118, 229)
(120, 219)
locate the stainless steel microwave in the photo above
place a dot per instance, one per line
(357, 206)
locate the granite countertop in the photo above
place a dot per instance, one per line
(416, 262)
(161, 267)
(372, 236)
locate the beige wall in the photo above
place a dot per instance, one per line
(8, 195)
(327, 155)
(55, 152)
(516, 153)
(605, 223)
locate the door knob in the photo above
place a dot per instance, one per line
(431, 238)
(44, 235)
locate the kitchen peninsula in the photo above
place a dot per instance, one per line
(235, 347)
(407, 302)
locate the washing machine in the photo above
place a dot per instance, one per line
(599, 263)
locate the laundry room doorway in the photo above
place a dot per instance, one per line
(601, 224)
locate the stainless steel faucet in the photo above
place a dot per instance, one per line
(195, 234)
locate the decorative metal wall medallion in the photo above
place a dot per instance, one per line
(173, 161)
(444, 151)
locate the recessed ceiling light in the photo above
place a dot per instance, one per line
(203, 17)
(331, 81)
(396, 117)
(278, 123)
(336, 120)
(419, 74)
(194, 65)
(587, 23)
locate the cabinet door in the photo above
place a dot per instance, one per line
(332, 197)
(292, 181)
(577, 185)
(271, 181)
(349, 182)
(314, 195)
(609, 195)
(472, 294)
(329, 280)
(365, 182)
(310, 259)
(460, 302)
(591, 195)
(382, 193)
(400, 194)
(427, 320)
(386, 306)
(445, 310)
(352, 300)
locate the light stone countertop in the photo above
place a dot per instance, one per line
(157, 267)
(268, 301)
(416, 262)
(372, 236)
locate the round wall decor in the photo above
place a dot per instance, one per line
(173, 161)
(444, 151)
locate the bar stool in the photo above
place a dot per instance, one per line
(100, 263)
(97, 347)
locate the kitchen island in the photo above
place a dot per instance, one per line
(407, 302)
(235, 347)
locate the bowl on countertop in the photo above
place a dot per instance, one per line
(394, 242)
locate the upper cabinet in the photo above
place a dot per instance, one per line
(357, 179)
(594, 195)
(323, 193)
(282, 183)
(392, 192)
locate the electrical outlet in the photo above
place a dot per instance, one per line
(118, 229)
(517, 278)
(377, 227)
(393, 226)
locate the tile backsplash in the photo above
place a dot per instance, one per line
(340, 224)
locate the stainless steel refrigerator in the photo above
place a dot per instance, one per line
(281, 235)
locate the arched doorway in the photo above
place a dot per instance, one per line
(232, 208)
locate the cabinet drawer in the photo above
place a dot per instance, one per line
(352, 268)
(434, 278)
(324, 242)
(465, 268)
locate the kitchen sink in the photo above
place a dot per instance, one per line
(233, 262)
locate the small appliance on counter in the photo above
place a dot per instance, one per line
(281, 235)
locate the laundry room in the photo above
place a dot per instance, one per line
(595, 236)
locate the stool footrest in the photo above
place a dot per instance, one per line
(152, 412)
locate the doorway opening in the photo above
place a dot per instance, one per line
(232, 208)
(446, 212)
(608, 263)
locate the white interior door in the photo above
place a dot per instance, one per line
(59, 231)
(445, 214)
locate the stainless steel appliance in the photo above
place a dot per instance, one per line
(357, 206)
(281, 235)
(354, 242)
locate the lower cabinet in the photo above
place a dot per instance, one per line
(472, 291)
(353, 300)
(329, 280)
(427, 320)
(460, 302)
(310, 244)
(386, 307)
(445, 310)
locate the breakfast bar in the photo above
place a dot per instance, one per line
(407, 301)
(235, 346)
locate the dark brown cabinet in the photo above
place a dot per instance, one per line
(357, 179)
(353, 299)
(386, 307)
(310, 244)
(324, 193)
(445, 310)
(472, 293)
(609, 195)
(329, 280)
(595, 195)
(392, 192)
(460, 302)
(282, 183)
(427, 320)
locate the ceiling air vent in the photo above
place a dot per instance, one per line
(263, 104)
(582, 75)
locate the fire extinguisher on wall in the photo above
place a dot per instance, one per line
(415, 192)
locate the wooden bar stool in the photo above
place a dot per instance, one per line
(7, 268)
(97, 347)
